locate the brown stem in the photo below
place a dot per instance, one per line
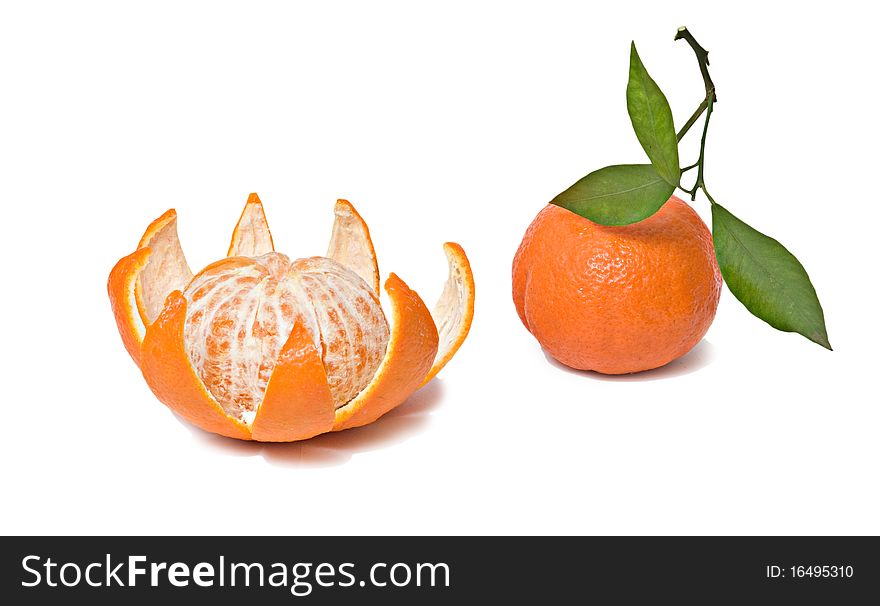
(702, 58)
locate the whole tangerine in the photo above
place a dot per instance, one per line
(617, 299)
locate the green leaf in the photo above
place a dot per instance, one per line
(766, 278)
(652, 119)
(617, 195)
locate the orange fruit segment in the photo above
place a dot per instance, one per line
(454, 311)
(297, 403)
(351, 245)
(167, 369)
(410, 354)
(251, 236)
(259, 346)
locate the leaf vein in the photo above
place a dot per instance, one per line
(620, 192)
(773, 280)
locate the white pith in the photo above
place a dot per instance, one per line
(350, 244)
(450, 310)
(166, 270)
(251, 237)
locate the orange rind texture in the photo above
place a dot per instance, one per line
(170, 375)
(147, 287)
(617, 299)
(121, 289)
(299, 371)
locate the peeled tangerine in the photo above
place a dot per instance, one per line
(259, 347)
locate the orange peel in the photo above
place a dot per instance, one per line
(258, 347)
(251, 236)
(411, 352)
(454, 311)
(121, 288)
(351, 245)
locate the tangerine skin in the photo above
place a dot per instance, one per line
(617, 299)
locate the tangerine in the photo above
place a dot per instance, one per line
(258, 347)
(617, 299)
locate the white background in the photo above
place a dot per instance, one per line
(452, 122)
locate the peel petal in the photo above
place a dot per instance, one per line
(350, 244)
(166, 269)
(251, 236)
(297, 404)
(454, 311)
(169, 373)
(408, 358)
(121, 289)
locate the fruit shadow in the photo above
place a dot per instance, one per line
(699, 357)
(330, 449)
